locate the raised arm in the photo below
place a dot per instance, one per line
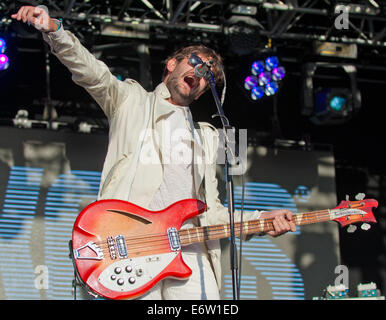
(87, 71)
(36, 16)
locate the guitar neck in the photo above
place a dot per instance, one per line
(201, 234)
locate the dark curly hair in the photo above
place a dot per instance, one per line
(185, 52)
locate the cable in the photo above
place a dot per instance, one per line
(224, 88)
(241, 231)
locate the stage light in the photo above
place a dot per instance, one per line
(326, 105)
(3, 45)
(336, 100)
(265, 79)
(242, 29)
(337, 103)
(278, 73)
(250, 82)
(257, 93)
(4, 62)
(271, 88)
(257, 67)
(271, 63)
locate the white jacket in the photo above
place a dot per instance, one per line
(131, 110)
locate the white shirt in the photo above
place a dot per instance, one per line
(177, 158)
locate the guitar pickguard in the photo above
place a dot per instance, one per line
(130, 274)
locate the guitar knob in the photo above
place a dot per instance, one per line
(132, 280)
(360, 196)
(351, 228)
(365, 226)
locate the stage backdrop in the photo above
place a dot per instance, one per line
(48, 177)
(298, 265)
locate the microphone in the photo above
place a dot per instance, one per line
(202, 70)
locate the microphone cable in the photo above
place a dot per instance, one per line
(241, 231)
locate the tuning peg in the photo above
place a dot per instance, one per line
(351, 228)
(360, 196)
(365, 226)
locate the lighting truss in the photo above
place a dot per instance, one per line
(286, 19)
(148, 25)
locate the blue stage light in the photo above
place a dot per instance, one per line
(257, 67)
(332, 103)
(271, 63)
(265, 78)
(257, 93)
(3, 45)
(338, 103)
(271, 88)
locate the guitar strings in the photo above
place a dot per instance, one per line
(215, 230)
(161, 239)
(295, 217)
(136, 247)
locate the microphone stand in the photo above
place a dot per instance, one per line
(229, 185)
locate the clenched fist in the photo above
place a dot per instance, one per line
(37, 16)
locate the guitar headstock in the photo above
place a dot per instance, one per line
(350, 212)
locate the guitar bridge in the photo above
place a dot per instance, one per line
(174, 239)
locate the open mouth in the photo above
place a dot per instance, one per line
(191, 81)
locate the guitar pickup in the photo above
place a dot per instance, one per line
(174, 239)
(121, 246)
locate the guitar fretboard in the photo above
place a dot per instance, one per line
(200, 234)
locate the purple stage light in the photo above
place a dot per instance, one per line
(264, 78)
(278, 73)
(4, 62)
(250, 82)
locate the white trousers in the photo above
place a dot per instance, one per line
(201, 285)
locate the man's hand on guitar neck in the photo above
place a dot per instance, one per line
(282, 221)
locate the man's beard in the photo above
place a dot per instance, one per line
(177, 96)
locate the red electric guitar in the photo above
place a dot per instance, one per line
(121, 250)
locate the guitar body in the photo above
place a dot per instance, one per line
(121, 250)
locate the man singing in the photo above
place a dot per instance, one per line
(143, 164)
